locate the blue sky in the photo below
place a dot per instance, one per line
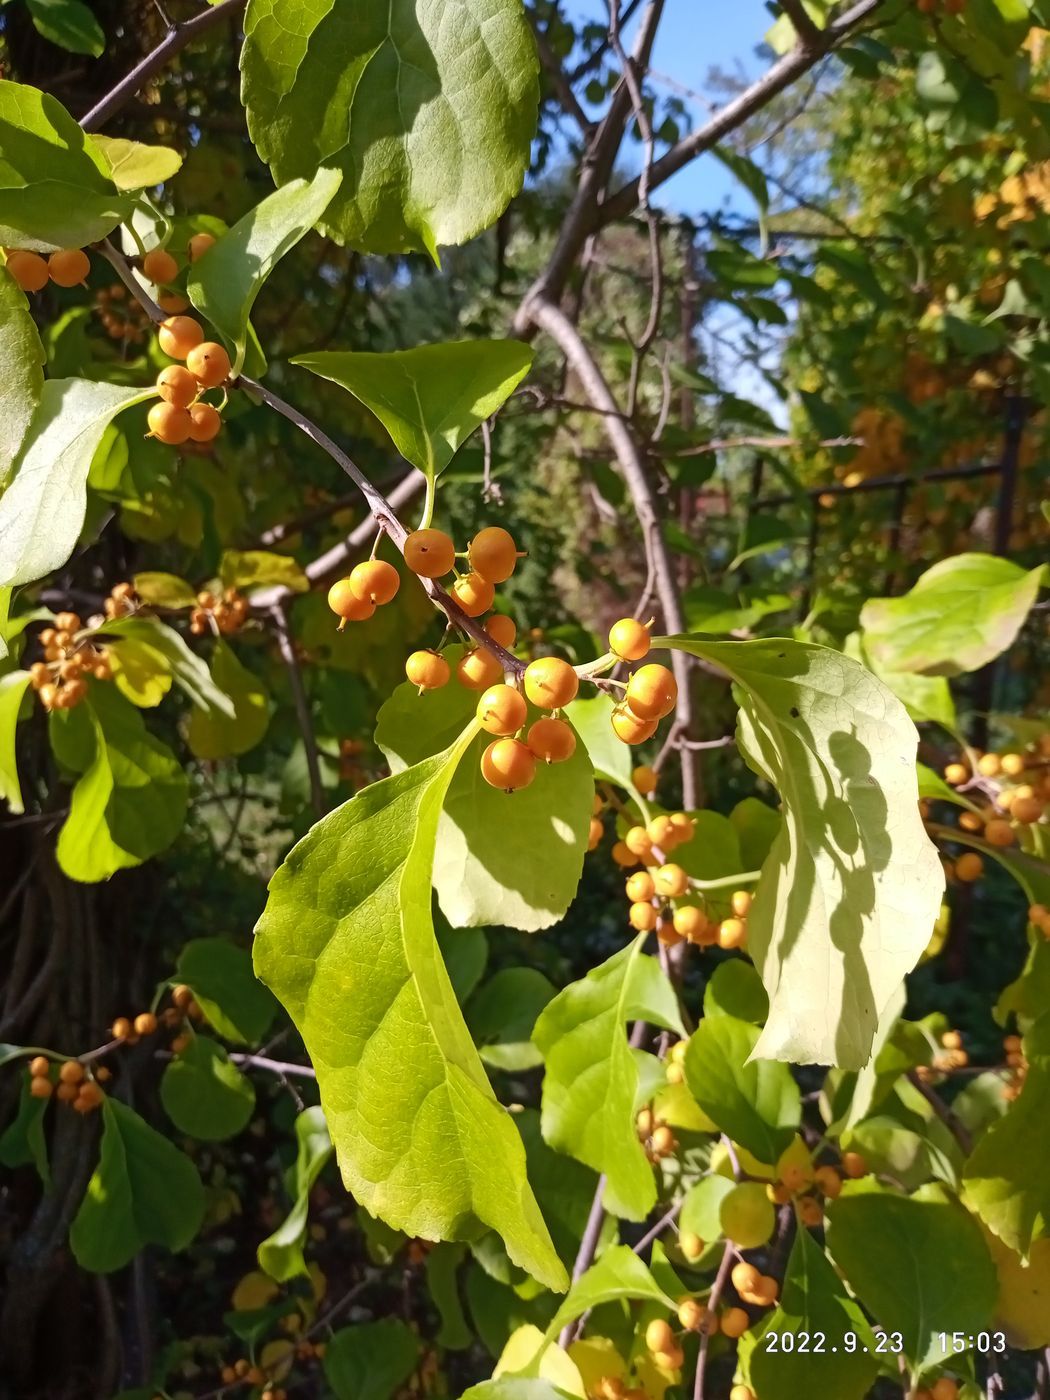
(694, 37)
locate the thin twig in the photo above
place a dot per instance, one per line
(714, 1297)
(302, 706)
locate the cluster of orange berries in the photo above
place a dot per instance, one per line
(121, 316)
(809, 1187)
(242, 1372)
(225, 613)
(1013, 805)
(67, 267)
(951, 1056)
(129, 1030)
(121, 602)
(1018, 1065)
(60, 680)
(75, 1085)
(161, 268)
(655, 1135)
(182, 415)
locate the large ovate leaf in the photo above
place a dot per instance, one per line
(961, 614)
(755, 1101)
(814, 1302)
(591, 1084)
(140, 672)
(347, 943)
(225, 281)
(281, 1254)
(502, 858)
(143, 1191)
(852, 886)
(432, 398)
(211, 734)
(618, 1274)
(204, 1094)
(42, 510)
(221, 978)
(591, 717)
(190, 673)
(12, 690)
(1023, 1307)
(924, 697)
(55, 190)
(69, 24)
(21, 370)
(428, 112)
(23, 1141)
(129, 802)
(256, 568)
(372, 1360)
(1007, 1179)
(133, 165)
(894, 1252)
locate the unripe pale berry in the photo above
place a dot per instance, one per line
(640, 886)
(652, 692)
(473, 593)
(671, 881)
(205, 422)
(550, 682)
(692, 1246)
(478, 669)
(508, 764)
(169, 424)
(502, 629)
(68, 267)
(199, 245)
(502, 710)
(644, 779)
(427, 670)
(493, 554)
(956, 774)
(629, 639)
(345, 603)
(178, 335)
(551, 739)
(159, 266)
(29, 270)
(629, 728)
(209, 363)
(375, 581)
(429, 553)
(177, 386)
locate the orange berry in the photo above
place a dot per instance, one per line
(210, 364)
(1026, 809)
(658, 1335)
(205, 422)
(810, 1211)
(691, 1314)
(427, 670)
(956, 774)
(828, 1181)
(671, 881)
(735, 1322)
(595, 832)
(66, 1093)
(199, 245)
(39, 1067)
(493, 554)
(640, 886)
(169, 424)
(989, 765)
(765, 1291)
(732, 933)
(68, 267)
(178, 335)
(550, 682)
(629, 639)
(551, 739)
(740, 902)
(623, 855)
(999, 833)
(40, 1087)
(969, 867)
(642, 916)
(429, 553)
(644, 779)
(502, 710)
(502, 629)
(29, 270)
(745, 1276)
(177, 386)
(375, 581)
(690, 922)
(661, 831)
(508, 764)
(692, 1246)
(639, 841)
(652, 692)
(741, 1392)
(1013, 764)
(159, 266)
(670, 938)
(71, 1072)
(473, 593)
(145, 1023)
(854, 1164)
(345, 603)
(172, 303)
(89, 1096)
(182, 996)
(478, 669)
(628, 727)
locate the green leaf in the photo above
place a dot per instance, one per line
(852, 886)
(21, 370)
(502, 1014)
(735, 989)
(591, 1084)
(347, 943)
(42, 510)
(618, 1274)
(758, 826)
(69, 24)
(23, 1141)
(702, 1207)
(190, 672)
(502, 858)
(592, 720)
(230, 995)
(141, 673)
(895, 1250)
(962, 613)
(211, 735)
(143, 1191)
(442, 1267)
(257, 568)
(281, 1254)
(755, 1101)
(205, 1094)
(224, 283)
(135, 166)
(12, 689)
(164, 590)
(429, 399)
(130, 802)
(55, 190)
(1028, 995)
(515, 1388)
(1005, 1181)
(430, 121)
(814, 1300)
(371, 1360)
(924, 697)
